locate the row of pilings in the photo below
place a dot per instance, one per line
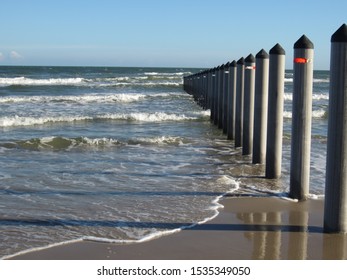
(245, 98)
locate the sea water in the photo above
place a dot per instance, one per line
(122, 155)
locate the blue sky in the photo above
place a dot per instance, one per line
(176, 33)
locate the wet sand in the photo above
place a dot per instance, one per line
(246, 228)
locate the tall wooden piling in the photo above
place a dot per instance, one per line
(260, 106)
(248, 108)
(220, 96)
(204, 89)
(239, 102)
(231, 101)
(226, 89)
(335, 208)
(301, 119)
(213, 94)
(216, 96)
(209, 88)
(275, 113)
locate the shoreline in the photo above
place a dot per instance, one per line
(216, 205)
(247, 227)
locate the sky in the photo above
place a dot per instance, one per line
(162, 33)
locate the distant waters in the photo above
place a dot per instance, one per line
(120, 154)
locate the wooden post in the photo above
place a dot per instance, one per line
(260, 106)
(213, 94)
(220, 96)
(226, 97)
(231, 102)
(335, 208)
(216, 96)
(239, 102)
(248, 105)
(301, 119)
(275, 113)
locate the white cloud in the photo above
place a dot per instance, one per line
(15, 55)
(2, 57)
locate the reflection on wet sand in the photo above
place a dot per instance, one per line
(290, 230)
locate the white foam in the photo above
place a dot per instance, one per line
(291, 80)
(161, 84)
(215, 206)
(160, 140)
(142, 117)
(315, 96)
(316, 196)
(166, 74)
(23, 81)
(149, 117)
(311, 196)
(28, 121)
(105, 82)
(316, 114)
(136, 82)
(327, 80)
(100, 141)
(41, 248)
(92, 98)
(320, 96)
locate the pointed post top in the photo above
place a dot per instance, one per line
(250, 58)
(233, 63)
(241, 61)
(277, 49)
(262, 54)
(340, 35)
(303, 43)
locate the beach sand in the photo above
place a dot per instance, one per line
(246, 228)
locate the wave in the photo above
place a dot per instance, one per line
(121, 97)
(315, 96)
(233, 186)
(90, 98)
(149, 117)
(141, 83)
(180, 74)
(109, 98)
(315, 80)
(23, 81)
(326, 80)
(64, 143)
(316, 114)
(145, 81)
(28, 121)
(140, 117)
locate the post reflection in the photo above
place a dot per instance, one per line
(289, 235)
(297, 248)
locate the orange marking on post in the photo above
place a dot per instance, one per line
(300, 60)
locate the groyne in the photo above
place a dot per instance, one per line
(245, 97)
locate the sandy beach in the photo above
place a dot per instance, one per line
(267, 228)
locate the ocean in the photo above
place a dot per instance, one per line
(117, 154)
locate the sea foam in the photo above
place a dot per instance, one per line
(138, 116)
(83, 99)
(24, 81)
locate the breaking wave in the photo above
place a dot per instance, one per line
(64, 143)
(146, 81)
(140, 117)
(315, 96)
(121, 97)
(316, 114)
